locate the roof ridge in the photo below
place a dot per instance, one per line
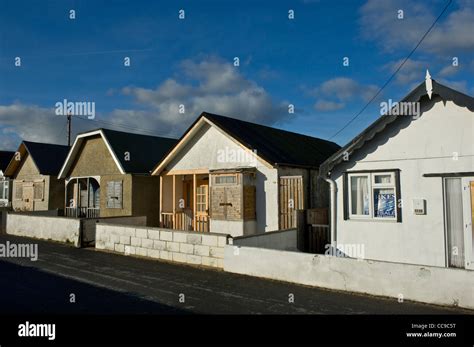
(267, 126)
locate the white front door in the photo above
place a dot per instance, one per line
(459, 212)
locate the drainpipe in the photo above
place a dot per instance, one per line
(332, 193)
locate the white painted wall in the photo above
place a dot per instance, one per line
(46, 228)
(416, 147)
(419, 283)
(202, 153)
(285, 240)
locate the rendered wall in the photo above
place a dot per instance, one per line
(42, 227)
(410, 282)
(415, 147)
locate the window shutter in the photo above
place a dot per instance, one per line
(218, 210)
(19, 190)
(345, 194)
(38, 190)
(118, 194)
(110, 194)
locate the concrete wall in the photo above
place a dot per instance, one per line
(194, 248)
(42, 227)
(416, 147)
(419, 283)
(281, 239)
(202, 152)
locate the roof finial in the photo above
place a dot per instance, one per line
(428, 84)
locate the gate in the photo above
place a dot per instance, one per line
(291, 200)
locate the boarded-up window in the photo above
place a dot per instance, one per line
(226, 203)
(18, 190)
(114, 194)
(38, 190)
(249, 202)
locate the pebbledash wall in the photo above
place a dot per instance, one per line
(188, 247)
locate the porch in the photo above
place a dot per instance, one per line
(184, 200)
(82, 198)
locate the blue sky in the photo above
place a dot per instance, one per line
(190, 62)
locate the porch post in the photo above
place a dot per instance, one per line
(174, 201)
(161, 200)
(65, 197)
(88, 192)
(77, 197)
(194, 202)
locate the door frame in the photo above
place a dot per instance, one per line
(467, 222)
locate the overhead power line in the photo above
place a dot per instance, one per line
(394, 73)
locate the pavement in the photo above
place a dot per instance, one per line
(69, 280)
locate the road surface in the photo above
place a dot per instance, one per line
(70, 280)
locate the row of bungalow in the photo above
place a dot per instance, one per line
(403, 188)
(223, 175)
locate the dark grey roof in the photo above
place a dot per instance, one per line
(383, 121)
(5, 157)
(145, 151)
(278, 147)
(48, 158)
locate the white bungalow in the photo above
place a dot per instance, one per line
(239, 178)
(404, 187)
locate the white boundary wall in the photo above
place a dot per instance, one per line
(282, 239)
(194, 248)
(435, 285)
(43, 227)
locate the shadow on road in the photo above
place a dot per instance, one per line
(25, 289)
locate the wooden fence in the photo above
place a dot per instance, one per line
(313, 232)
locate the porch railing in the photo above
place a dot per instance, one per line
(82, 212)
(184, 221)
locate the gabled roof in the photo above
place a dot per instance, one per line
(145, 151)
(5, 157)
(47, 157)
(417, 95)
(274, 146)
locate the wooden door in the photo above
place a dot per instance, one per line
(290, 199)
(202, 205)
(28, 197)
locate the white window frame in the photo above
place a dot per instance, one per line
(371, 187)
(349, 196)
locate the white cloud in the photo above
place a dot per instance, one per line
(333, 94)
(452, 34)
(324, 105)
(206, 85)
(412, 71)
(31, 123)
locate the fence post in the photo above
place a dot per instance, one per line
(301, 232)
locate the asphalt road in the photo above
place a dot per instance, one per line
(110, 283)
